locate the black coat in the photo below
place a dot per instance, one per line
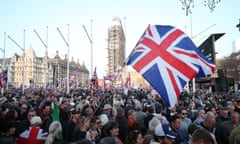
(123, 127)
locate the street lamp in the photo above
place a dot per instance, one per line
(67, 43)
(91, 42)
(238, 25)
(46, 57)
(23, 49)
(3, 50)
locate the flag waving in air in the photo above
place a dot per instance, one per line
(167, 58)
(3, 78)
(128, 81)
(94, 81)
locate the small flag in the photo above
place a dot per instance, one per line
(3, 78)
(55, 113)
(128, 81)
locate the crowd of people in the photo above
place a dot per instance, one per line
(111, 117)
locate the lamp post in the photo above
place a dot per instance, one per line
(3, 50)
(238, 25)
(46, 57)
(67, 43)
(91, 42)
(23, 64)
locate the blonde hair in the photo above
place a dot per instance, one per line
(55, 129)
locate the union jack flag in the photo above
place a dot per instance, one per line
(110, 77)
(167, 58)
(33, 135)
(118, 76)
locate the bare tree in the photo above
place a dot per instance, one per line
(187, 5)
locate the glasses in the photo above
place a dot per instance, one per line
(184, 113)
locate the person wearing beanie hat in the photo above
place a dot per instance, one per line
(163, 134)
(34, 134)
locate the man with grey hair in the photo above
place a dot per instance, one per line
(140, 117)
(200, 117)
(209, 122)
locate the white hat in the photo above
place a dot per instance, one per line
(107, 106)
(36, 120)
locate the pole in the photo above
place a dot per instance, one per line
(23, 62)
(3, 65)
(4, 51)
(46, 60)
(68, 64)
(91, 48)
(4, 61)
(46, 56)
(193, 80)
(91, 42)
(67, 43)
(23, 80)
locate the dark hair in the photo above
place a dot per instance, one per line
(202, 135)
(158, 107)
(108, 127)
(120, 111)
(192, 127)
(173, 118)
(132, 137)
(131, 111)
(10, 115)
(8, 125)
(94, 119)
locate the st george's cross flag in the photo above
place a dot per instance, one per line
(128, 81)
(167, 58)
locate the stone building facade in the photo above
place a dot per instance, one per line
(29, 69)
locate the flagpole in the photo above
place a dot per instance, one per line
(67, 43)
(3, 50)
(46, 56)
(23, 60)
(91, 43)
(193, 80)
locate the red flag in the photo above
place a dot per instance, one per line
(3, 78)
(128, 81)
(1, 86)
(104, 83)
(95, 79)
